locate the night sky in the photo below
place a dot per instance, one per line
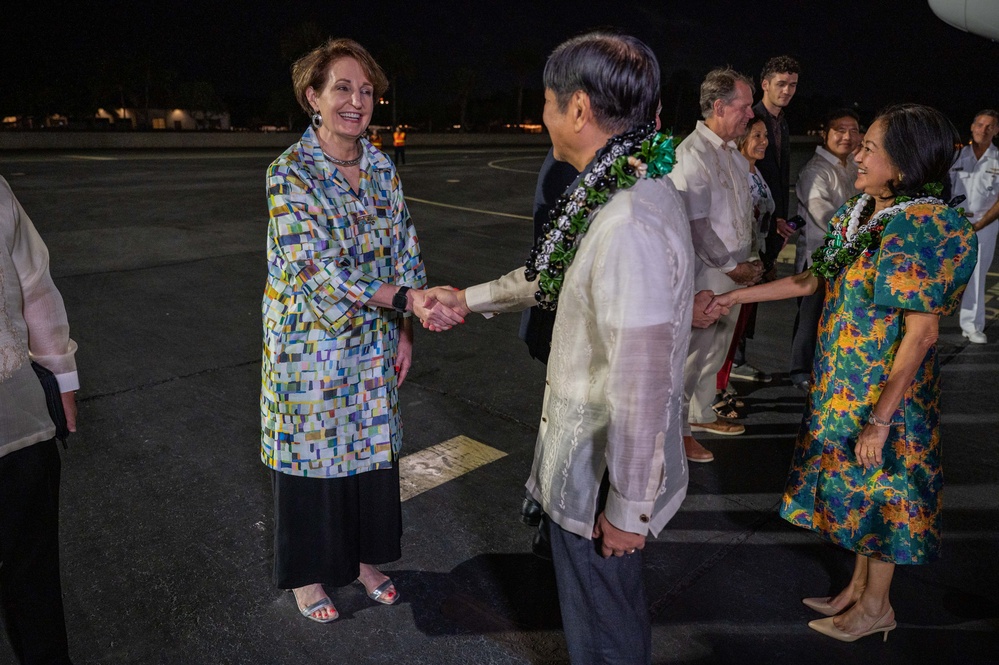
(851, 51)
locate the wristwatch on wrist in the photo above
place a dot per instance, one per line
(399, 300)
(877, 422)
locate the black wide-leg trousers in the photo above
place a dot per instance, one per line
(30, 589)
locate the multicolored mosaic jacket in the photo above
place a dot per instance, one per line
(329, 403)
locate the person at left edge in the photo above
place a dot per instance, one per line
(33, 326)
(344, 274)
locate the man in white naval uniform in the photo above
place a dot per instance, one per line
(975, 174)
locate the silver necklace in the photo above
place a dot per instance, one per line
(345, 162)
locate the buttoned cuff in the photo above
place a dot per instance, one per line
(477, 297)
(631, 516)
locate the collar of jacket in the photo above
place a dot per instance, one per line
(374, 157)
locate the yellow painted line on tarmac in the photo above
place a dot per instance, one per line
(481, 212)
(493, 164)
(436, 465)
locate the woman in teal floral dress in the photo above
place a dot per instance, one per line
(866, 472)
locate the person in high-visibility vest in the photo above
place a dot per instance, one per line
(376, 139)
(399, 142)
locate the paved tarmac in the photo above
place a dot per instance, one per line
(166, 508)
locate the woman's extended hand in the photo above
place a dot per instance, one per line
(870, 445)
(702, 318)
(439, 308)
(724, 302)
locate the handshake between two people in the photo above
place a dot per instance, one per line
(440, 308)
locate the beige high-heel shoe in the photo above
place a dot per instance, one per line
(827, 627)
(822, 606)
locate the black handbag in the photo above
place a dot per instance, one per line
(53, 400)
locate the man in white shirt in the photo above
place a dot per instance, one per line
(32, 326)
(608, 467)
(824, 184)
(713, 180)
(975, 174)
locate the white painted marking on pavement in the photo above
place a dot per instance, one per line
(436, 465)
(481, 212)
(493, 164)
(93, 158)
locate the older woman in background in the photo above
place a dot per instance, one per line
(753, 146)
(866, 471)
(344, 272)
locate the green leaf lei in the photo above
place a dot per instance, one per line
(627, 158)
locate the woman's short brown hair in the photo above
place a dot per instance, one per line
(312, 69)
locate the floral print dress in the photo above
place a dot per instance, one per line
(926, 256)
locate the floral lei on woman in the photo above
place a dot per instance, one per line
(640, 153)
(848, 237)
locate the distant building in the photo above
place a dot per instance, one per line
(176, 119)
(125, 118)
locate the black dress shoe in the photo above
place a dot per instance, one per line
(541, 545)
(530, 512)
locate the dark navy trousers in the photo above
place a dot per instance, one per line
(605, 614)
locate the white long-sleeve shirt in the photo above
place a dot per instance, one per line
(32, 321)
(615, 375)
(712, 177)
(823, 187)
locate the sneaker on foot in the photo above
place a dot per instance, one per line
(747, 372)
(975, 336)
(720, 426)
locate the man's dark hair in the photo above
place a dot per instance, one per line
(992, 113)
(781, 64)
(618, 72)
(921, 142)
(836, 114)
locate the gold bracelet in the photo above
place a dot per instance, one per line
(877, 422)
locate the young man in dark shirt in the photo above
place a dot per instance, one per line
(779, 82)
